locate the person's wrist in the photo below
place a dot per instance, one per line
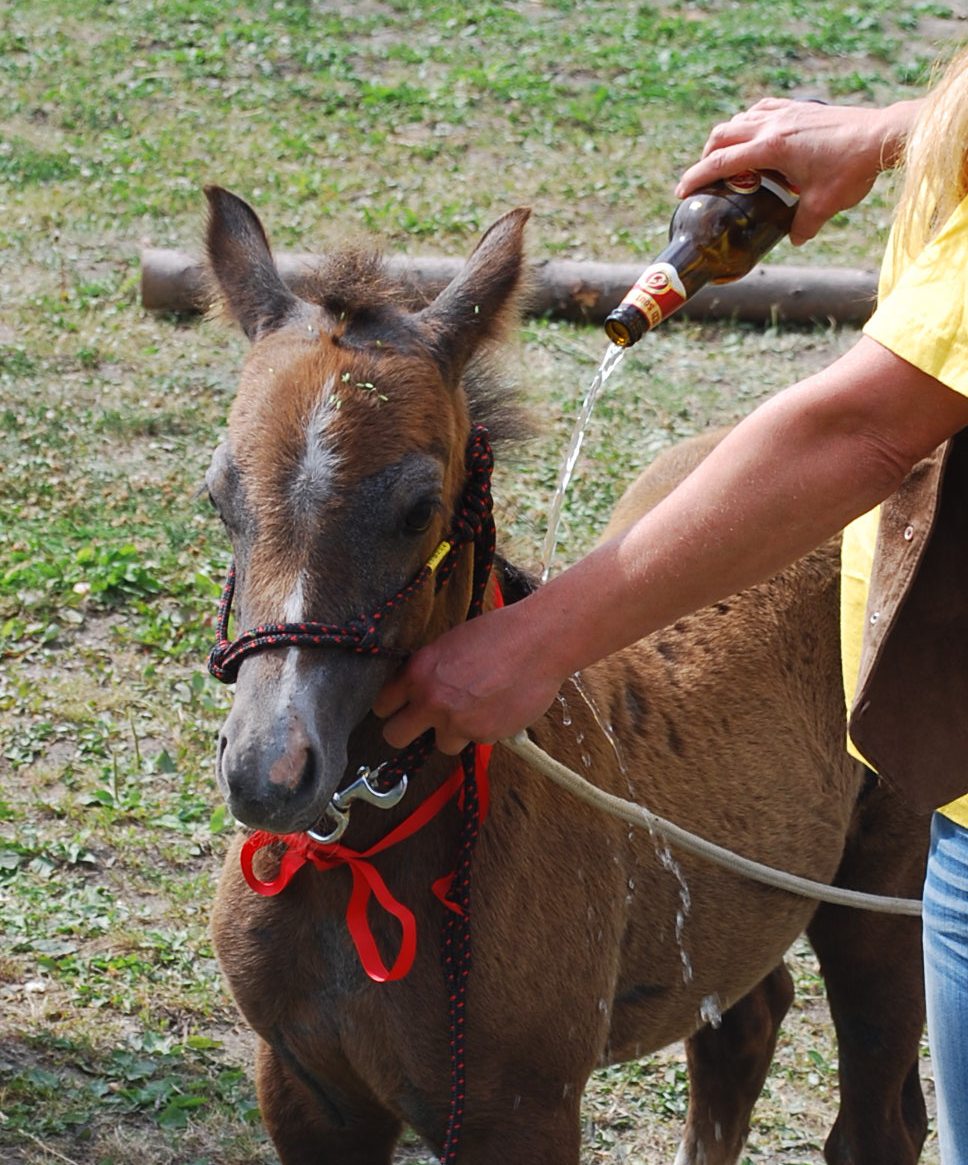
(893, 125)
(544, 637)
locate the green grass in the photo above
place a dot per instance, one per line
(411, 124)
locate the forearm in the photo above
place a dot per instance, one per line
(790, 476)
(735, 521)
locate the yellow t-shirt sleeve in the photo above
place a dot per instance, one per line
(923, 318)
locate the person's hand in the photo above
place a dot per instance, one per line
(831, 153)
(481, 681)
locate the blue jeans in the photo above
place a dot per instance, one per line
(946, 982)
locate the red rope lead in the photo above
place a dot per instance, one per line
(300, 849)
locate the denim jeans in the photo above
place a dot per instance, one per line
(946, 982)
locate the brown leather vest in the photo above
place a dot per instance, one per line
(910, 714)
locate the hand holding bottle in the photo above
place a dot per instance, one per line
(831, 153)
(718, 234)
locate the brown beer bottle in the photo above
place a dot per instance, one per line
(717, 234)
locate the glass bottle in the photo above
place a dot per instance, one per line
(717, 234)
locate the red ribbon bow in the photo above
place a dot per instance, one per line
(300, 848)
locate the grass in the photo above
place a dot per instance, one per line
(417, 124)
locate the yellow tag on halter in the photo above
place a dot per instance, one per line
(438, 556)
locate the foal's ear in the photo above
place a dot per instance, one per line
(239, 255)
(479, 302)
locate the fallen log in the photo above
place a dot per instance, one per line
(584, 292)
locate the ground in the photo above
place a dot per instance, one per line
(412, 127)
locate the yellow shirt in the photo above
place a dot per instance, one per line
(923, 318)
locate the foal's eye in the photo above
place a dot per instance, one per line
(213, 503)
(420, 515)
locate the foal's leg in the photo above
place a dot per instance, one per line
(727, 1067)
(308, 1128)
(526, 1135)
(871, 964)
(872, 967)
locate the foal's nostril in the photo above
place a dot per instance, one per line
(295, 771)
(220, 774)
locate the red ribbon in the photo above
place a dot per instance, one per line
(300, 848)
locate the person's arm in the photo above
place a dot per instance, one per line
(831, 153)
(792, 474)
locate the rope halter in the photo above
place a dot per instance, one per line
(472, 523)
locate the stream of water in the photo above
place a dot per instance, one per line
(659, 844)
(610, 361)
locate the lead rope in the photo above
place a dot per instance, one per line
(457, 957)
(636, 814)
(456, 947)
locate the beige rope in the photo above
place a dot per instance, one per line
(638, 815)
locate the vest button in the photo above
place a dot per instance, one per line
(908, 533)
(875, 615)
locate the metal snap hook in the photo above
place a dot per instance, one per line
(360, 789)
(340, 819)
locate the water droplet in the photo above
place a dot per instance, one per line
(710, 1011)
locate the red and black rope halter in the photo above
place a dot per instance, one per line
(473, 523)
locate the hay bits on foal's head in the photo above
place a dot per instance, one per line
(352, 296)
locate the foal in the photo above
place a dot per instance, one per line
(354, 488)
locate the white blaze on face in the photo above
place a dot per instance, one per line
(293, 611)
(316, 476)
(314, 482)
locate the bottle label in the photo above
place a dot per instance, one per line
(657, 292)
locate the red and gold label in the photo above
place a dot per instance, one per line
(657, 292)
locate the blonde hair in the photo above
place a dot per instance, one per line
(935, 161)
